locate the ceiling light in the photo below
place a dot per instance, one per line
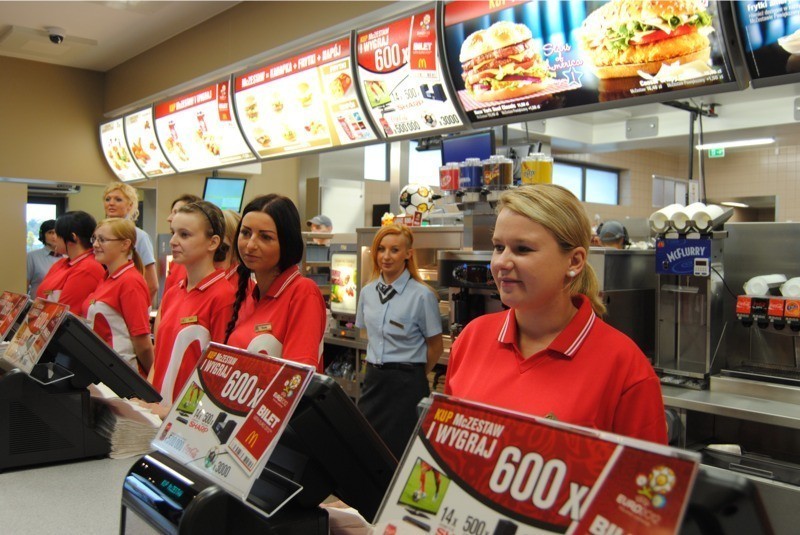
(736, 143)
(734, 204)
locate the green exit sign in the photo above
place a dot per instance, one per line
(716, 153)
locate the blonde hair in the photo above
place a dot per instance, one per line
(231, 224)
(560, 212)
(124, 229)
(411, 263)
(129, 192)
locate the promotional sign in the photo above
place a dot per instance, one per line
(513, 58)
(141, 135)
(472, 468)
(770, 34)
(343, 283)
(112, 139)
(683, 257)
(401, 77)
(11, 306)
(230, 414)
(303, 103)
(198, 130)
(36, 331)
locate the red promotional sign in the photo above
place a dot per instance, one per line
(384, 49)
(11, 306)
(36, 331)
(423, 43)
(190, 100)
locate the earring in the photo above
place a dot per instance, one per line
(571, 273)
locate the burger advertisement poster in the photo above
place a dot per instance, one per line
(230, 414)
(472, 468)
(401, 77)
(512, 57)
(303, 103)
(770, 31)
(198, 131)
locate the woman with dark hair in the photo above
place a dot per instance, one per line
(195, 311)
(176, 272)
(74, 277)
(283, 314)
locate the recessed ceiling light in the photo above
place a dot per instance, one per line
(736, 143)
(735, 204)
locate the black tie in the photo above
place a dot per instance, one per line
(386, 292)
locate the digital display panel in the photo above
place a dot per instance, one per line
(770, 36)
(456, 149)
(508, 59)
(344, 287)
(198, 131)
(140, 132)
(400, 77)
(303, 103)
(115, 150)
(226, 193)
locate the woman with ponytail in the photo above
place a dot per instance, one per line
(550, 354)
(283, 313)
(126, 327)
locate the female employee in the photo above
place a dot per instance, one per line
(231, 263)
(176, 272)
(551, 355)
(196, 310)
(74, 277)
(125, 328)
(404, 329)
(283, 314)
(121, 200)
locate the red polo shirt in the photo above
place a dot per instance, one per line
(189, 321)
(70, 282)
(288, 322)
(591, 374)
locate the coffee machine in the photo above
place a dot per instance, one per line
(472, 291)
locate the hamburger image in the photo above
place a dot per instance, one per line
(304, 94)
(501, 62)
(624, 37)
(251, 108)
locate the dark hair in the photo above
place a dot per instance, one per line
(215, 227)
(290, 240)
(186, 198)
(46, 227)
(76, 222)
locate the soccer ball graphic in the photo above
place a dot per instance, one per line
(418, 495)
(416, 198)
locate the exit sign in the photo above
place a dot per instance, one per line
(716, 153)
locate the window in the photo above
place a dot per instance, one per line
(37, 211)
(668, 191)
(588, 183)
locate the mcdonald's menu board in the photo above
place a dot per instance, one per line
(303, 103)
(198, 130)
(141, 135)
(401, 77)
(514, 58)
(119, 158)
(770, 34)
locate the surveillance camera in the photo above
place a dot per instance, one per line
(56, 34)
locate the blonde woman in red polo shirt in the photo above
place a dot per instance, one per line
(550, 354)
(125, 328)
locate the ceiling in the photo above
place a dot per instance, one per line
(100, 35)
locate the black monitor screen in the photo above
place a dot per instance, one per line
(770, 36)
(226, 193)
(80, 351)
(329, 448)
(456, 149)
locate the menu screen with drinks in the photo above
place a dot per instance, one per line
(770, 34)
(198, 130)
(303, 103)
(400, 77)
(141, 135)
(508, 59)
(119, 158)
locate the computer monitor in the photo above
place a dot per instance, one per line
(77, 349)
(456, 149)
(226, 193)
(328, 447)
(344, 285)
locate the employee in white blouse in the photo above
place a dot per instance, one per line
(39, 261)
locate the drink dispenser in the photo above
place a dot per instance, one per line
(471, 289)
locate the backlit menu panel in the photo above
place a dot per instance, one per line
(115, 150)
(198, 130)
(303, 103)
(400, 77)
(140, 132)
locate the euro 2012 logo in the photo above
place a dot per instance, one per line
(656, 485)
(290, 385)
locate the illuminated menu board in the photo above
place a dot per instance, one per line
(507, 59)
(112, 139)
(770, 34)
(141, 135)
(400, 77)
(306, 102)
(198, 131)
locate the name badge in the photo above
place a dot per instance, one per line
(396, 324)
(264, 328)
(189, 319)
